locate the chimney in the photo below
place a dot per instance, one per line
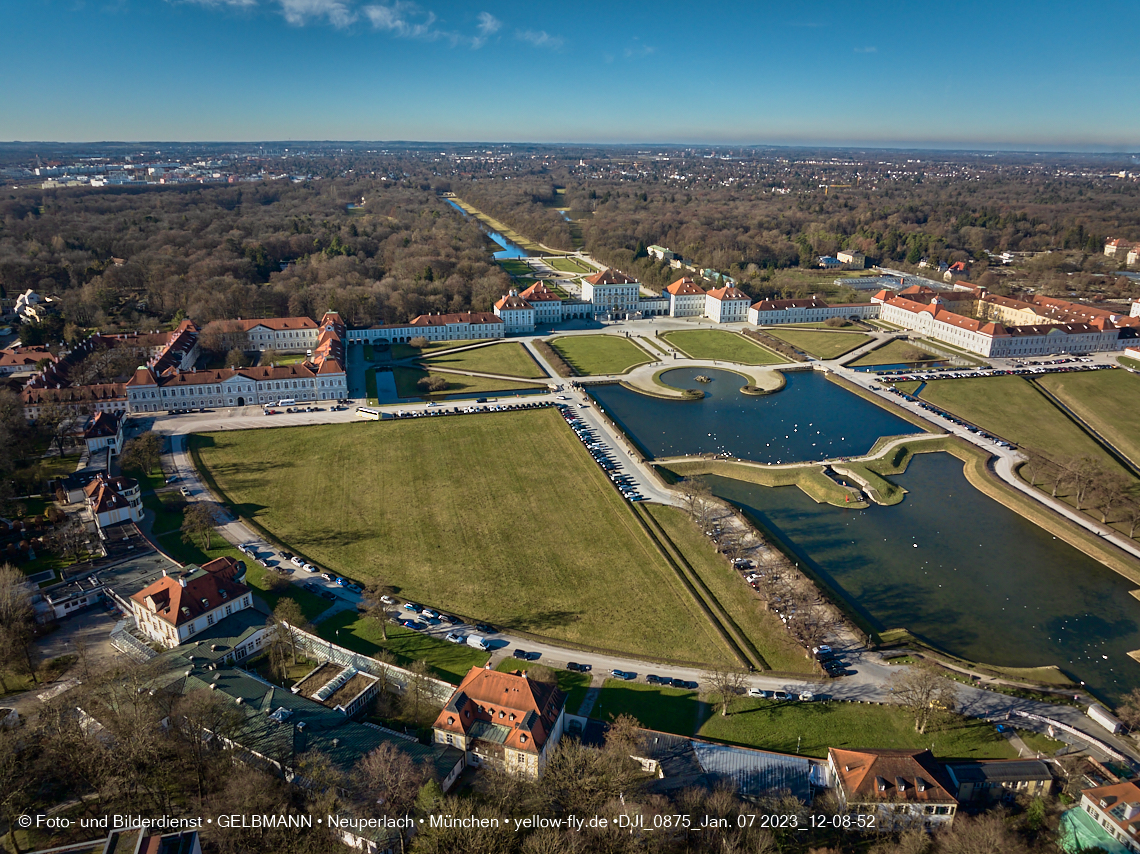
(182, 580)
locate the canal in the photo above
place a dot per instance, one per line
(949, 563)
(509, 250)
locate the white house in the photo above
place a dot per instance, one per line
(905, 788)
(517, 314)
(111, 500)
(611, 293)
(547, 304)
(176, 607)
(285, 334)
(772, 312)
(727, 305)
(104, 430)
(686, 298)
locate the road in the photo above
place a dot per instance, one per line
(868, 679)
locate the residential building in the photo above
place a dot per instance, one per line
(104, 430)
(284, 334)
(517, 314)
(660, 253)
(175, 608)
(111, 500)
(988, 780)
(905, 788)
(320, 377)
(1134, 311)
(727, 305)
(177, 349)
(1114, 245)
(1133, 256)
(505, 720)
(957, 270)
(851, 259)
(32, 308)
(829, 262)
(1116, 808)
(547, 304)
(456, 326)
(686, 298)
(772, 312)
(993, 326)
(611, 293)
(23, 360)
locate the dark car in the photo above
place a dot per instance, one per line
(655, 680)
(623, 674)
(328, 594)
(413, 606)
(687, 684)
(579, 668)
(413, 624)
(286, 555)
(519, 653)
(310, 586)
(486, 628)
(448, 618)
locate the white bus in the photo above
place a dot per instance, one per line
(287, 401)
(365, 412)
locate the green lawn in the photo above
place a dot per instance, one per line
(59, 466)
(666, 709)
(1039, 742)
(1128, 363)
(369, 353)
(407, 379)
(1010, 407)
(811, 728)
(1106, 401)
(448, 661)
(822, 345)
(819, 324)
(151, 480)
(896, 352)
(515, 267)
(167, 509)
(459, 513)
(407, 351)
(256, 577)
(290, 358)
(599, 354)
(568, 265)
(370, 390)
(761, 627)
(574, 685)
(509, 358)
(717, 344)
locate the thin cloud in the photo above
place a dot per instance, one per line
(300, 12)
(239, 4)
(487, 27)
(639, 51)
(866, 49)
(539, 38)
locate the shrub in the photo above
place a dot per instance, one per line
(419, 342)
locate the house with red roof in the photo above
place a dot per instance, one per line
(110, 500)
(612, 293)
(686, 298)
(505, 720)
(285, 334)
(176, 607)
(772, 312)
(548, 306)
(1115, 245)
(517, 314)
(905, 788)
(727, 305)
(104, 430)
(1116, 811)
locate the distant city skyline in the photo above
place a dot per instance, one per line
(995, 76)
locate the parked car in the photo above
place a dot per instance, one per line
(521, 653)
(296, 561)
(328, 594)
(456, 637)
(781, 695)
(327, 576)
(623, 674)
(656, 680)
(687, 684)
(340, 582)
(413, 606)
(355, 588)
(311, 586)
(185, 490)
(414, 624)
(449, 618)
(579, 668)
(387, 600)
(429, 612)
(486, 628)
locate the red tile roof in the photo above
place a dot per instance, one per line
(526, 710)
(512, 302)
(279, 324)
(890, 775)
(470, 317)
(610, 277)
(103, 425)
(197, 591)
(539, 292)
(731, 294)
(783, 304)
(685, 287)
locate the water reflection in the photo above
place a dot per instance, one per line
(509, 250)
(964, 572)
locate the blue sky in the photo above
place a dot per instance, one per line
(1037, 75)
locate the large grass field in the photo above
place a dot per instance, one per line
(811, 728)
(822, 345)
(739, 600)
(656, 707)
(599, 354)
(896, 352)
(471, 514)
(407, 380)
(1012, 408)
(569, 265)
(1106, 401)
(448, 661)
(515, 267)
(508, 358)
(407, 351)
(717, 344)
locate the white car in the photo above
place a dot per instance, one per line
(387, 600)
(308, 567)
(757, 692)
(296, 561)
(456, 637)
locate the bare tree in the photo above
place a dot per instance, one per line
(1079, 474)
(201, 721)
(142, 453)
(1037, 465)
(17, 623)
(288, 614)
(68, 539)
(725, 684)
(1109, 493)
(388, 781)
(198, 523)
(374, 593)
(1131, 509)
(925, 692)
(417, 693)
(694, 492)
(1128, 710)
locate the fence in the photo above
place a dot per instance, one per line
(319, 649)
(1072, 730)
(129, 645)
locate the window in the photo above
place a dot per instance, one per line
(229, 609)
(209, 619)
